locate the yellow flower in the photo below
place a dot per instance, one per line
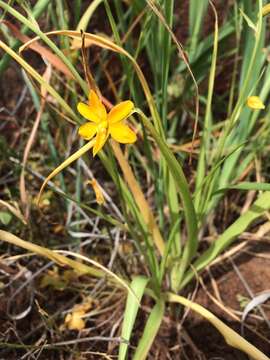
(103, 124)
(254, 102)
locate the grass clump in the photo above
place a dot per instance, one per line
(131, 219)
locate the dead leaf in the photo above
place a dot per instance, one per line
(74, 320)
(41, 50)
(98, 192)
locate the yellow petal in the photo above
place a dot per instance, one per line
(87, 130)
(120, 111)
(96, 105)
(88, 113)
(254, 102)
(100, 140)
(122, 133)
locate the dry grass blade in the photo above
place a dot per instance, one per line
(91, 39)
(231, 337)
(85, 59)
(139, 197)
(230, 312)
(65, 261)
(41, 50)
(23, 193)
(117, 279)
(64, 164)
(41, 81)
(49, 254)
(14, 210)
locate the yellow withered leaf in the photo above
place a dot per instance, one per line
(254, 102)
(97, 189)
(266, 9)
(74, 320)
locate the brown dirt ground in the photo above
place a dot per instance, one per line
(254, 268)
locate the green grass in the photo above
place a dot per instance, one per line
(166, 198)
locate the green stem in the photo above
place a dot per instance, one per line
(182, 187)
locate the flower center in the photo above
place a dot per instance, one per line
(102, 127)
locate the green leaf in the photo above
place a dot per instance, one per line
(150, 330)
(259, 207)
(5, 217)
(84, 21)
(203, 162)
(183, 189)
(249, 21)
(138, 285)
(246, 185)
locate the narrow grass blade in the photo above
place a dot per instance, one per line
(105, 43)
(106, 271)
(38, 9)
(140, 232)
(45, 38)
(249, 22)
(39, 79)
(139, 197)
(82, 25)
(251, 68)
(260, 206)
(171, 249)
(207, 126)
(49, 254)
(64, 164)
(111, 220)
(41, 50)
(196, 14)
(62, 260)
(150, 331)
(245, 185)
(182, 188)
(230, 336)
(138, 285)
(85, 19)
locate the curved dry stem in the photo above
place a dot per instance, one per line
(91, 39)
(230, 336)
(64, 164)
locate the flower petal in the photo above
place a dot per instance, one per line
(254, 102)
(101, 138)
(87, 130)
(122, 133)
(88, 113)
(96, 105)
(120, 112)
